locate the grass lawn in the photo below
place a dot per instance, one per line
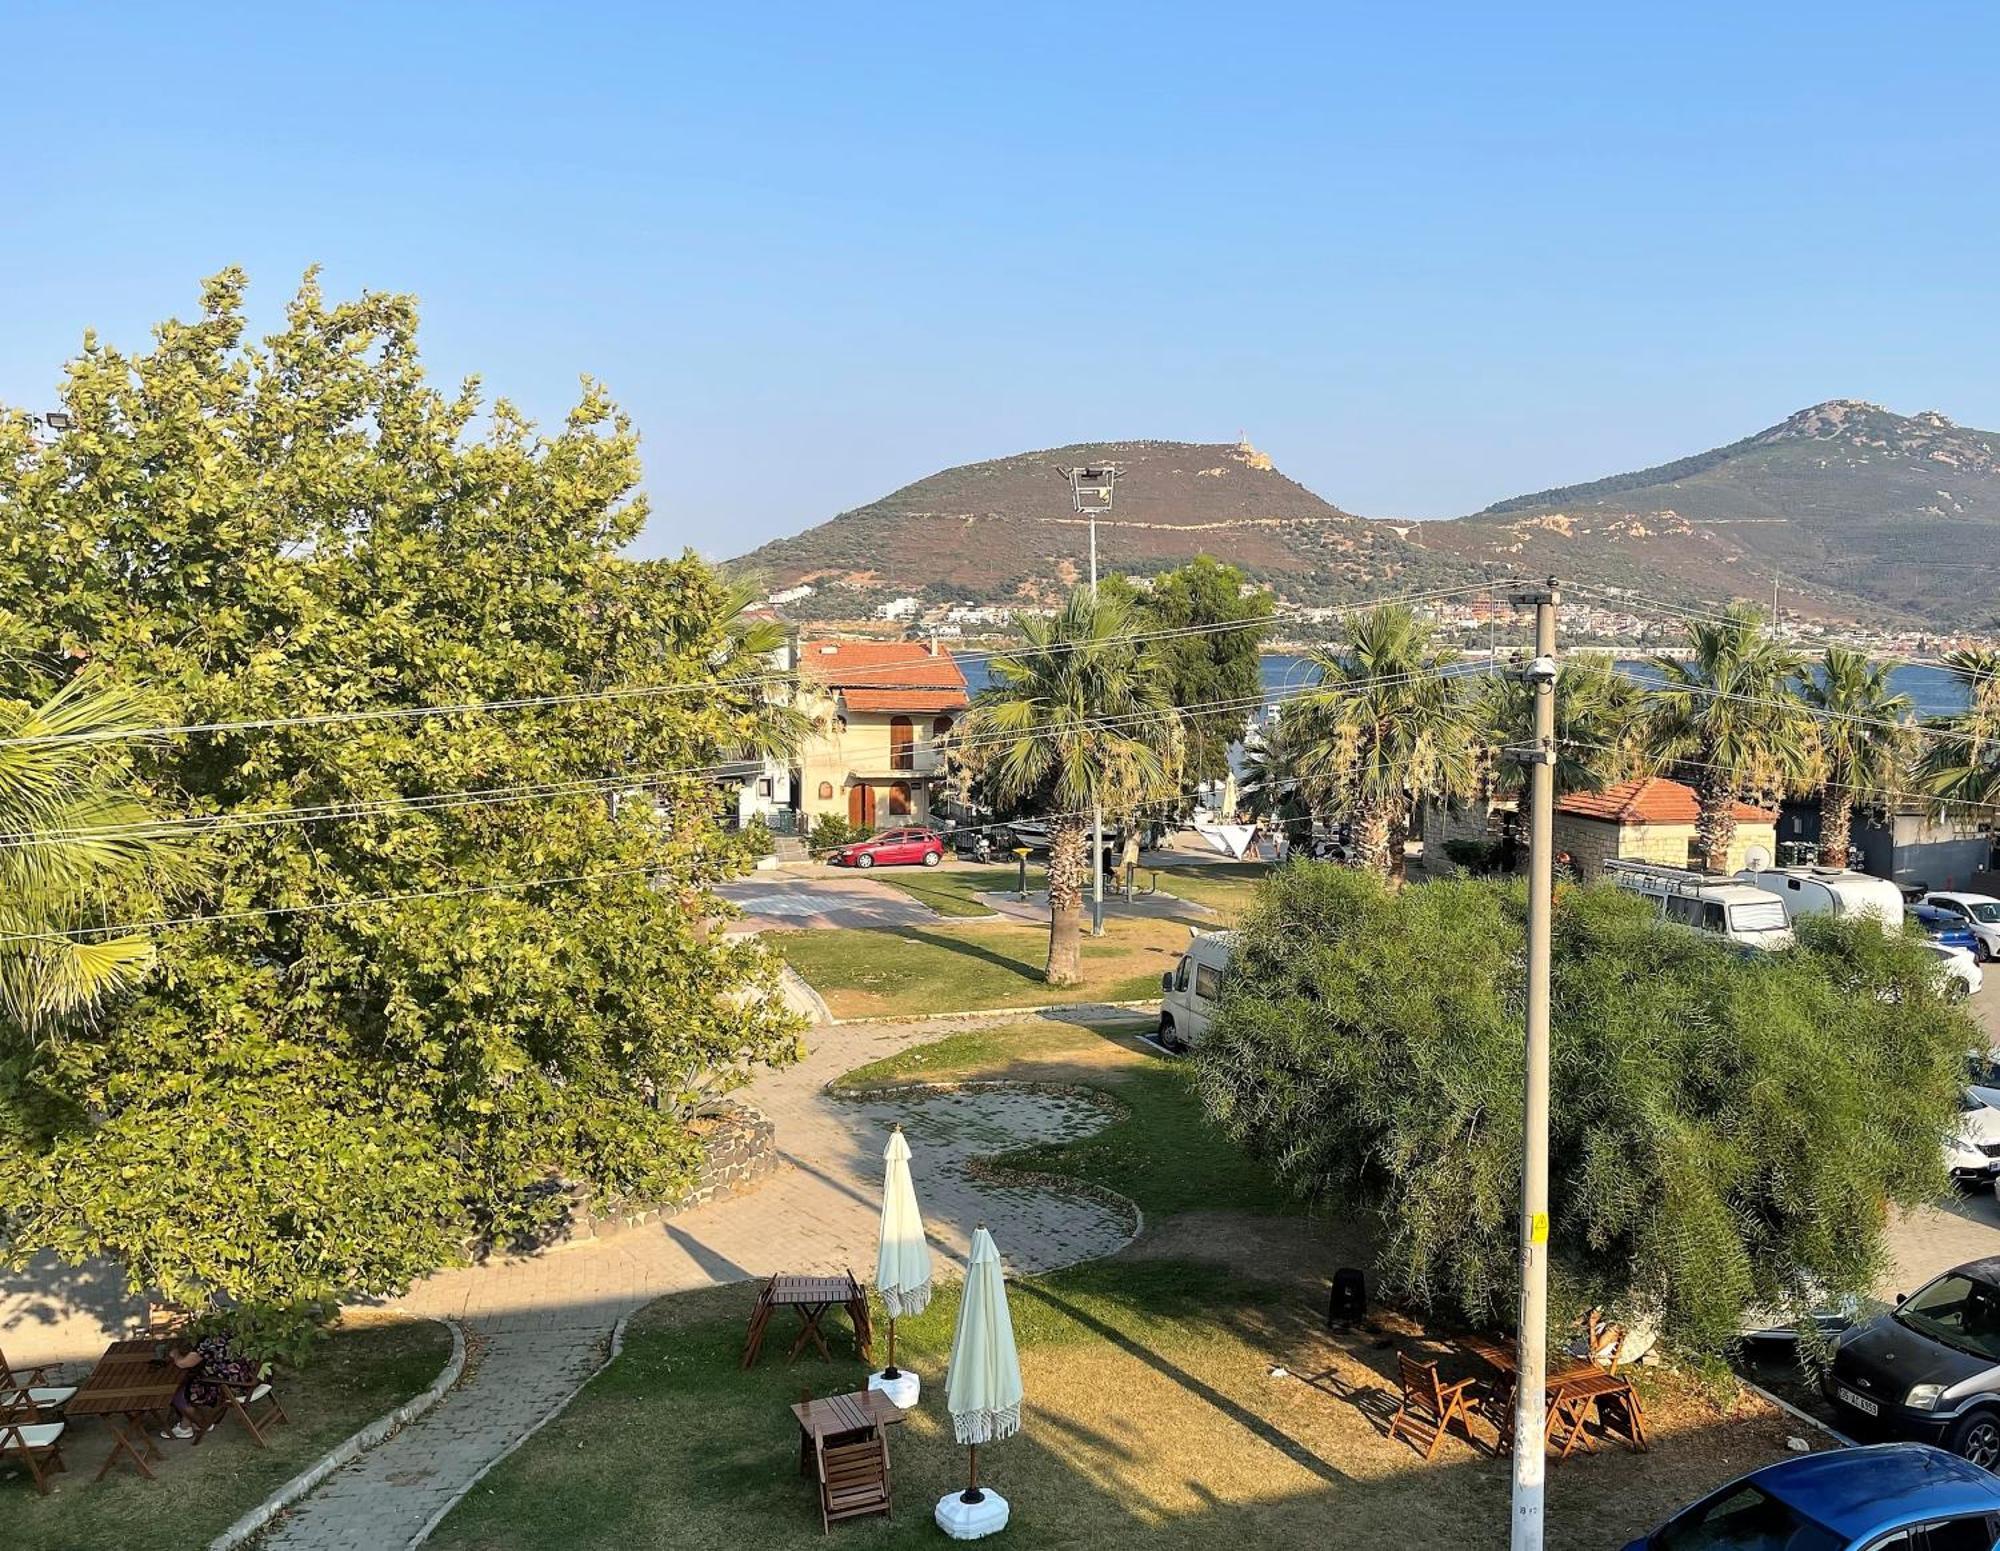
(915, 971)
(368, 1366)
(1225, 887)
(1152, 1408)
(953, 889)
(1151, 1413)
(1160, 1153)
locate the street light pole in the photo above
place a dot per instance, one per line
(1091, 490)
(1531, 1360)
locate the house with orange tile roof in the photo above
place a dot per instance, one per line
(879, 709)
(1650, 819)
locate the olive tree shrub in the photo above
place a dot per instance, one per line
(1727, 1130)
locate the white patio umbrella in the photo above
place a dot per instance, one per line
(902, 1263)
(982, 1389)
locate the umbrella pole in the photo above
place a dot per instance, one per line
(890, 1371)
(972, 1494)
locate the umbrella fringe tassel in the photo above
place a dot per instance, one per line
(902, 1302)
(987, 1426)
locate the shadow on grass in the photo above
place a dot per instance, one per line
(1019, 969)
(1256, 1425)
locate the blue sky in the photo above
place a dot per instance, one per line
(1427, 257)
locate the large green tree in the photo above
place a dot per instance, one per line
(1862, 742)
(1211, 670)
(1727, 1131)
(1727, 723)
(1958, 761)
(1597, 717)
(1388, 724)
(1074, 716)
(448, 965)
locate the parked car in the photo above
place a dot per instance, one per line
(1942, 927)
(1833, 891)
(1958, 968)
(1891, 1497)
(1191, 992)
(1980, 912)
(1033, 836)
(893, 847)
(1929, 1369)
(1972, 1156)
(1738, 912)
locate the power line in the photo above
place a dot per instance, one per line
(649, 691)
(625, 781)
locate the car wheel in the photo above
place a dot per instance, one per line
(864, 860)
(1977, 1438)
(1167, 1036)
(932, 858)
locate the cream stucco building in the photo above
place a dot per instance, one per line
(878, 710)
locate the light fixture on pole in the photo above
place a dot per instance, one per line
(1091, 489)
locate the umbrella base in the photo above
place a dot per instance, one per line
(969, 1521)
(904, 1388)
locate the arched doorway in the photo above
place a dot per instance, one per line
(902, 744)
(899, 799)
(861, 805)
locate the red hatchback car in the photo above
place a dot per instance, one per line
(912, 847)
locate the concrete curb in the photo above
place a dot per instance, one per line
(349, 1449)
(1796, 1414)
(459, 1496)
(993, 1012)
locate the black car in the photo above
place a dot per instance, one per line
(1930, 1368)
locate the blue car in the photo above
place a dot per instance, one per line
(1889, 1497)
(1944, 927)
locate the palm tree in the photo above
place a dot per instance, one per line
(1864, 741)
(1387, 723)
(1074, 717)
(1728, 724)
(75, 846)
(1597, 714)
(1960, 763)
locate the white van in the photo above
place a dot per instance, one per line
(1191, 992)
(1830, 891)
(1734, 911)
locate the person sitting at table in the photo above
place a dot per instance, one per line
(211, 1362)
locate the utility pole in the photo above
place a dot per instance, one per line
(1091, 489)
(1532, 1357)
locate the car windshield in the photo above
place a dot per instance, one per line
(1959, 1312)
(1742, 1518)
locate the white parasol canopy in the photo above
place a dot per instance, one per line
(902, 1258)
(983, 1388)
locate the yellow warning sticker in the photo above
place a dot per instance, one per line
(1538, 1228)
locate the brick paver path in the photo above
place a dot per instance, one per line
(539, 1326)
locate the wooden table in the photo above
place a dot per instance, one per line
(812, 1297)
(1500, 1357)
(125, 1388)
(863, 1411)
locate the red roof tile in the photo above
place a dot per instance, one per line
(1651, 800)
(904, 699)
(880, 665)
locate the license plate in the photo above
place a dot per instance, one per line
(1860, 1403)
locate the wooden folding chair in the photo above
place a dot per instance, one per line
(37, 1445)
(760, 1316)
(30, 1392)
(1428, 1402)
(853, 1479)
(255, 1405)
(857, 1311)
(1606, 1396)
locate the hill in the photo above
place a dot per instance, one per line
(1004, 530)
(1861, 513)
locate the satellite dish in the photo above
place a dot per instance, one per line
(1756, 859)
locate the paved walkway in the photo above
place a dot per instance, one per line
(797, 897)
(539, 1326)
